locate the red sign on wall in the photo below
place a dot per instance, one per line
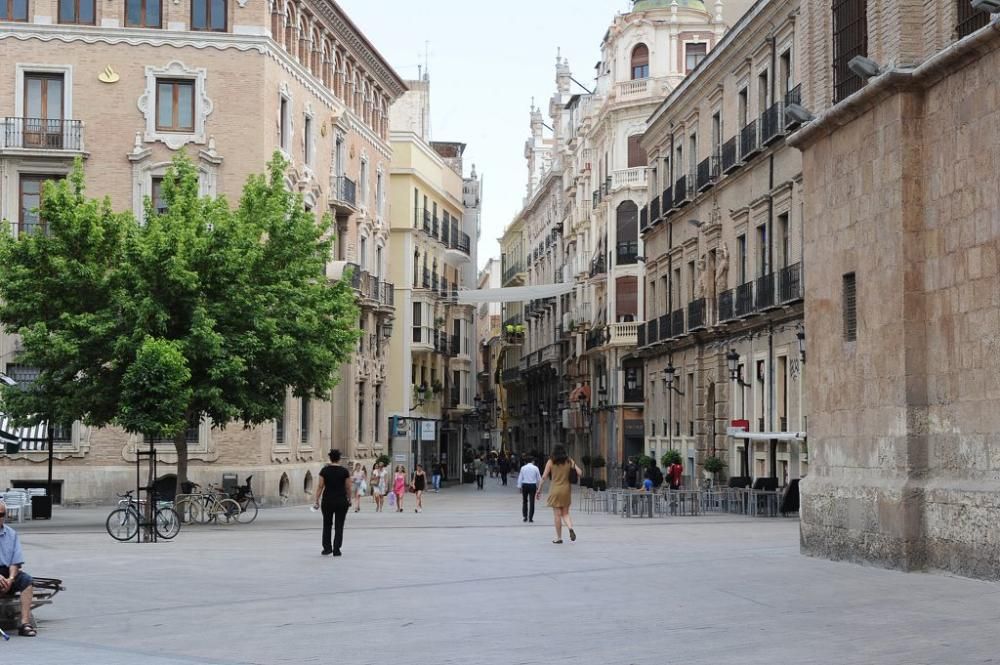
(745, 424)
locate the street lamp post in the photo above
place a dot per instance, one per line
(735, 376)
(669, 372)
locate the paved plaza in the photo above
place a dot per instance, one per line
(467, 582)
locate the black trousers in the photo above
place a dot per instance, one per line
(479, 481)
(334, 515)
(528, 491)
(503, 477)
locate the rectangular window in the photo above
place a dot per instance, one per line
(970, 19)
(636, 155)
(156, 191)
(307, 131)
(76, 11)
(742, 110)
(717, 133)
(379, 194)
(279, 427)
(43, 110)
(190, 436)
(762, 263)
(363, 253)
(13, 10)
(143, 14)
(691, 280)
(304, 421)
(693, 154)
(741, 248)
(175, 105)
(208, 15)
(62, 432)
(850, 308)
(783, 247)
(378, 415)
(29, 201)
(361, 419)
(850, 38)
(763, 92)
(363, 183)
(785, 72)
(284, 127)
(693, 55)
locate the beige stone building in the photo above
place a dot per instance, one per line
(126, 86)
(434, 230)
(903, 197)
(724, 271)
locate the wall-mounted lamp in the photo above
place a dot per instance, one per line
(696, 223)
(796, 114)
(387, 329)
(801, 337)
(735, 370)
(668, 377)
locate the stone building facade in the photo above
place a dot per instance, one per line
(900, 176)
(434, 236)
(724, 271)
(127, 86)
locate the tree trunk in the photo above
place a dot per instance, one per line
(180, 444)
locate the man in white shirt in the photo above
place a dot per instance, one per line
(527, 481)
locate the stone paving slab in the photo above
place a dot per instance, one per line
(467, 582)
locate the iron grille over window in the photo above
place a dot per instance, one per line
(850, 308)
(850, 38)
(969, 19)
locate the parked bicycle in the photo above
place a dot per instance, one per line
(124, 521)
(213, 505)
(244, 497)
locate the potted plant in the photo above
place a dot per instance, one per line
(712, 466)
(645, 461)
(670, 457)
(436, 387)
(384, 460)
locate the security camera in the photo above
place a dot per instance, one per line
(796, 114)
(864, 67)
(992, 6)
(695, 223)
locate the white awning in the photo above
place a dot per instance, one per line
(513, 293)
(30, 438)
(740, 433)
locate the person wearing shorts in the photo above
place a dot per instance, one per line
(12, 578)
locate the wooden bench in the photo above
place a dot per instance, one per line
(45, 590)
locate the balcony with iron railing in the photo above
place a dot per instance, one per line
(765, 292)
(749, 140)
(730, 157)
(652, 331)
(387, 297)
(696, 315)
(667, 200)
(790, 284)
(727, 305)
(643, 219)
(708, 172)
(426, 282)
(634, 394)
(510, 375)
(344, 194)
(744, 300)
(511, 272)
(42, 135)
(664, 328)
(682, 193)
(598, 266)
(641, 335)
(793, 96)
(654, 209)
(595, 338)
(970, 19)
(677, 323)
(772, 123)
(626, 252)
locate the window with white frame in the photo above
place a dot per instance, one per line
(363, 183)
(176, 105)
(379, 194)
(308, 139)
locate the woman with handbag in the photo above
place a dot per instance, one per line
(378, 486)
(560, 469)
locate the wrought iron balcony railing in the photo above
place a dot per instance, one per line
(772, 123)
(727, 306)
(765, 292)
(682, 193)
(696, 314)
(749, 140)
(627, 252)
(346, 191)
(677, 323)
(708, 172)
(790, 283)
(730, 159)
(744, 299)
(42, 134)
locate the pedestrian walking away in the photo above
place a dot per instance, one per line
(479, 466)
(333, 495)
(419, 484)
(358, 481)
(436, 477)
(12, 578)
(504, 467)
(377, 483)
(528, 480)
(558, 469)
(399, 486)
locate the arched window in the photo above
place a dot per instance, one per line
(626, 221)
(640, 62)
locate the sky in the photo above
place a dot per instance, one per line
(487, 59)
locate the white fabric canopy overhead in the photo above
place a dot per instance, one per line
(740, 433)
(513, 293)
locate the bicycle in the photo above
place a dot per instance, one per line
(244, 498)
(123, 522)
(204, 507)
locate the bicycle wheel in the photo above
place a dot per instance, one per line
(227, 512)
(122, 524)
(168, 523)
(185, 510)
(249, 511)
(202, 510)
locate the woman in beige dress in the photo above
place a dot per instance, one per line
(558, 469)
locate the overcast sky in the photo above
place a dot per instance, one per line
(487, 60)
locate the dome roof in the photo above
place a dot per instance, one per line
(643, 5)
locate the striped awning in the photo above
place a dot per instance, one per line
(34, 437)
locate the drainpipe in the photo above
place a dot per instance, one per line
(771, 397)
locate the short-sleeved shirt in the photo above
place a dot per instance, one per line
(10, 548)
(333, 483)
(647, 485)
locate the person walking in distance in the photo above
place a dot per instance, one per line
(527, 481)
(399, 486)
(480, 469)
(436, 477)
(419, 485)
(358, 479)
(333, 495)
(675, 473)
(559, 468)
(378, 486)
(503, 466)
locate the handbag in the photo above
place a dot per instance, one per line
(574, 477)
(392, 499)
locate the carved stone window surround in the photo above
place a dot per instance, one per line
(203, 106)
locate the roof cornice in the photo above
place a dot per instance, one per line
(353, 38)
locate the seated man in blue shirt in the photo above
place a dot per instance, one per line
(12, 578)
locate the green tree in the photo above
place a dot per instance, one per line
(201, 311)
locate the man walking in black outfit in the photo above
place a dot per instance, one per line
(334, 488)
(504, 468)
(527, 481)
